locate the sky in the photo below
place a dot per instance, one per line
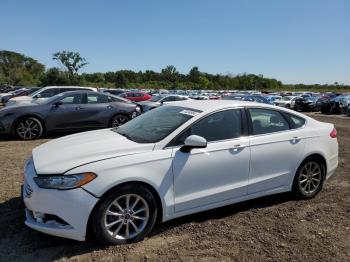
(295, 41)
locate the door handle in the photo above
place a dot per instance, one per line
(79, 107)
(295, 139)
(238, 146)
(109, 107)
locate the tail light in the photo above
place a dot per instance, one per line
(333, 134)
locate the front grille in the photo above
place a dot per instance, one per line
(27, 190)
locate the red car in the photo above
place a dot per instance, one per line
(136, 96)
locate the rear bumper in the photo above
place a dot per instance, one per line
(332, 164)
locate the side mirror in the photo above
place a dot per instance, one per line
(37, 96)
(193, 142)
(57, 104)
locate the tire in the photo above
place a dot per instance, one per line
(110, 232)
(29, 128)
(309, 178)
(118, 120)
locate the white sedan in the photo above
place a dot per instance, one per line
(173, 161)
(287, 101)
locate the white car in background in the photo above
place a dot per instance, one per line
(45, 93)
(173, 161)
(287, 101)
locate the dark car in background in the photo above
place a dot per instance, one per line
(69, 111)
(336, 105)
(307, 104)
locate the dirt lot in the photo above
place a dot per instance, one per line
(271, 228)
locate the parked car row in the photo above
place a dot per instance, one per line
(29, 113)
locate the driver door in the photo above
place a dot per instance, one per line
(68, 114)
(216, 173)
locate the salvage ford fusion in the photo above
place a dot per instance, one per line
(173, 161)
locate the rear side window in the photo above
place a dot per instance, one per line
(215, 127)
(265, 121)
(96, 99)
(296, 122)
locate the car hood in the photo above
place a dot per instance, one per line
(60, 155)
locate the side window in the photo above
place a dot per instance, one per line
(296, 121)
(267, 121)
(49, 92)
(96, 99)
(114, 99)
(168, 99)
(218, 126)
(71, 99)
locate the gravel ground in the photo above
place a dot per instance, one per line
(276, 228)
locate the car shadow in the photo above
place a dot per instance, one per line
(25, 243)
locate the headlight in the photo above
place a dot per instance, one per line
(64, 181)
(138, 109)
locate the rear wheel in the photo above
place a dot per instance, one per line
(309, 178)
(119, 120)
(125, 215)
(29, 128)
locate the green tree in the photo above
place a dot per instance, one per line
(71, 60)
(194, 75)
(170, 74)
(120, 80)
(18, 69)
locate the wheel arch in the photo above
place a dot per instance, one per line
(118, 113)
(318, 156)
(37, 116)
(154, 192)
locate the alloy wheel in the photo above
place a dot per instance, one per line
(29, 128)
(310, 178)
(119, 120)
(126, 216)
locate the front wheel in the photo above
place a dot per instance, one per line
(29, 128)
(309, 178)
(126, 215)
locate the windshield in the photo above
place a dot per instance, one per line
(156, 124)
(156, 98)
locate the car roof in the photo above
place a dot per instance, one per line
(73, 87)
(210, 105)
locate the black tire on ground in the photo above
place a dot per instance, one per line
(29, 128)
(99, 219)
(118, 120)
(309, 178)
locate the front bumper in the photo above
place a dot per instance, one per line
(62, 213)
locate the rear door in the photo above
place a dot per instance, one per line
(276, 149)
(97, 110)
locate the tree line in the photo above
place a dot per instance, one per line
(20, 70)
